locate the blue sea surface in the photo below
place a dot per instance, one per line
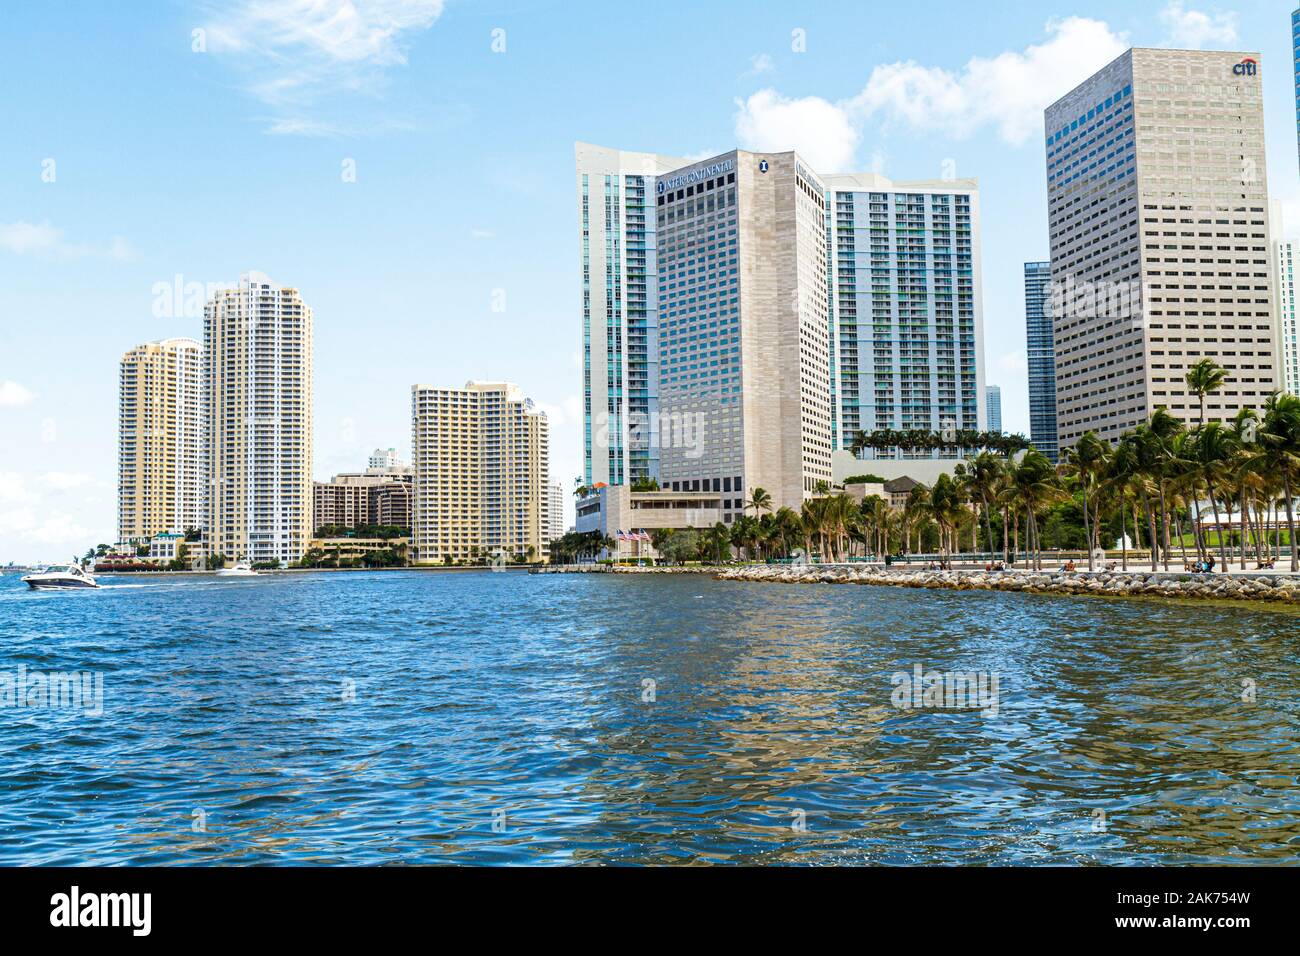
(504, 718)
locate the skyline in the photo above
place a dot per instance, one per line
(421, 270)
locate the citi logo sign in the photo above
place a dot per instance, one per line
(1246, 67)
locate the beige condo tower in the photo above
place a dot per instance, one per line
(160, 478)
(481, 456)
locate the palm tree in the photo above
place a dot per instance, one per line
(1085, 461)
(1245, 427)
(1035, 485)
(1277, 452)
(1204, 378)
(719, 540)
(782, 531)
(1213, 452)
(759, 500)
(813, 518)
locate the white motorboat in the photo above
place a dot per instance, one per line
(66, 579)
(242, 569)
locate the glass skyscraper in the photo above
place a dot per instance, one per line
(620, 313)
(1042, 363)
(995, 408)
(907, 305)
(1295, 66)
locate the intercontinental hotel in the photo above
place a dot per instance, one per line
(744, 317)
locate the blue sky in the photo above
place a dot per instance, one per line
(130, 157)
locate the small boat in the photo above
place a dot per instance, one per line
(242, 569)
(67, 579)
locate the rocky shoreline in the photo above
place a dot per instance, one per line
(1219, 587)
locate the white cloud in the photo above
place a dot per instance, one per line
(22, 238)
(819, 130)
(1193, 29)
(15, 395)
(297, 52)
(13, 488)
(1007, 92)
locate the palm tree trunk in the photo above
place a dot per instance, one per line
(1006, 536)
(1087, 530)
(1245, 525)
(1164, 524)
(1223, 551)
(988, 522)
(1151, 529)
(1123, 533)
(1290, 520)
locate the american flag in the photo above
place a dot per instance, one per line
(643, 536)
(622, 535)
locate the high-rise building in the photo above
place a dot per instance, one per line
(481, 457)
(1158, 210)
(257, 395)
(620, 361)
(554, 512)
(993, 395)
(160, 475)
(908, 305)
(1285, 254)
(1295, 66)
(744, 329)
(1041, 358)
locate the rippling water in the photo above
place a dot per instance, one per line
(502, 718)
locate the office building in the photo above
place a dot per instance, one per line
(257, 396)
(1160, 238)
(160, 475)
(620, 361)
(1041, 358)
(908, 306)
(481, 459)
(744, 331)
(993, 401)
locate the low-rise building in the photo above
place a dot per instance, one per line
(614, 508)
(348, 549)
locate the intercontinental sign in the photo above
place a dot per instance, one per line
(695, 175)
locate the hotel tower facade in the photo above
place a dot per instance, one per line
(160, 460)
(1158, 210)
(257, 396)
(744, 329)
(481, 456)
